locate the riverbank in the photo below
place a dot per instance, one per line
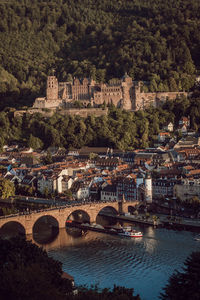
(114, 230)
(160, 220)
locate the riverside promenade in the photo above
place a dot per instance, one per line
(160, 220)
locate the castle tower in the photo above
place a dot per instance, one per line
(148, 187)
(137, 96)
(127, 92)
(52, 88)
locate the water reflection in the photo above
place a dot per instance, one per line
(150, 243)
(144, 264)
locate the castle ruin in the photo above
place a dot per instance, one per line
(123, 93)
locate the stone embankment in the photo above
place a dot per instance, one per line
(161, 220)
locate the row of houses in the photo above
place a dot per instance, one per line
(95, 183)
(108, 174)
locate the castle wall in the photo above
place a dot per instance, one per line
(84, 112)
(127, 96)
(123, 93)
(108, 94)
(39, 103)
(157, 99)
(43, 103)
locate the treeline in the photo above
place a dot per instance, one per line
(119, 129)
(157, 41)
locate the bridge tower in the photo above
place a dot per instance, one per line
(148, 188)
(120, 205)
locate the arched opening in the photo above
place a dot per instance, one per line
(77, 217)
(132, 210)
(142, 208)
(12, 229)
(45, 230)
(106, 216)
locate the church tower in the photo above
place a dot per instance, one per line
(52, 88)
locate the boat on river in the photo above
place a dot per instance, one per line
(197, 237)
(129, 232)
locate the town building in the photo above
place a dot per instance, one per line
(187, 189)
(126, 189)
(169, 127)
(109, 193)
(80, 190)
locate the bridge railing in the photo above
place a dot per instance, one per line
(29, 212)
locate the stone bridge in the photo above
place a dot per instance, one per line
(62, 213)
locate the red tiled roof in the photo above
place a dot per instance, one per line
(164, 133)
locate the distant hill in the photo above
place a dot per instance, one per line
(157, 41)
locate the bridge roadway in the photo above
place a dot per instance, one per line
(62, 213)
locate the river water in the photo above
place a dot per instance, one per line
(144, 264)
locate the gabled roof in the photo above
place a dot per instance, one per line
(28, 179)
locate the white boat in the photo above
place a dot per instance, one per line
(197, 237)
(130, 232)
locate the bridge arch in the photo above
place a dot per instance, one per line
(12, 228)
(45, 229)
(79, 215)
(103, 216)
(109, 209)
(131, 209)
(61, 214)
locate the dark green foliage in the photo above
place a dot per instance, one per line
(7, 188)
(119, 129)
(152, 40)
(48, 159)
(186, 284)
(117, 293)
(26, 272)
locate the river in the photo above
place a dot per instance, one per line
(144, 264)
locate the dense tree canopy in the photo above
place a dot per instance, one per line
(152, 40)
(119, 129)
(7, 188)
(26, 272)
(186, 284)
(117, 293)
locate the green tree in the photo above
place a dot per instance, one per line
(68, 194)
(92, 155)
(48, 158)
(26, 272)
(7, 188)
(46, 192)
(185, 284)
(118, 293)
(35, 142)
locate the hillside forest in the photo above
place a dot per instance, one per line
(154, 41)
(119, 129)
